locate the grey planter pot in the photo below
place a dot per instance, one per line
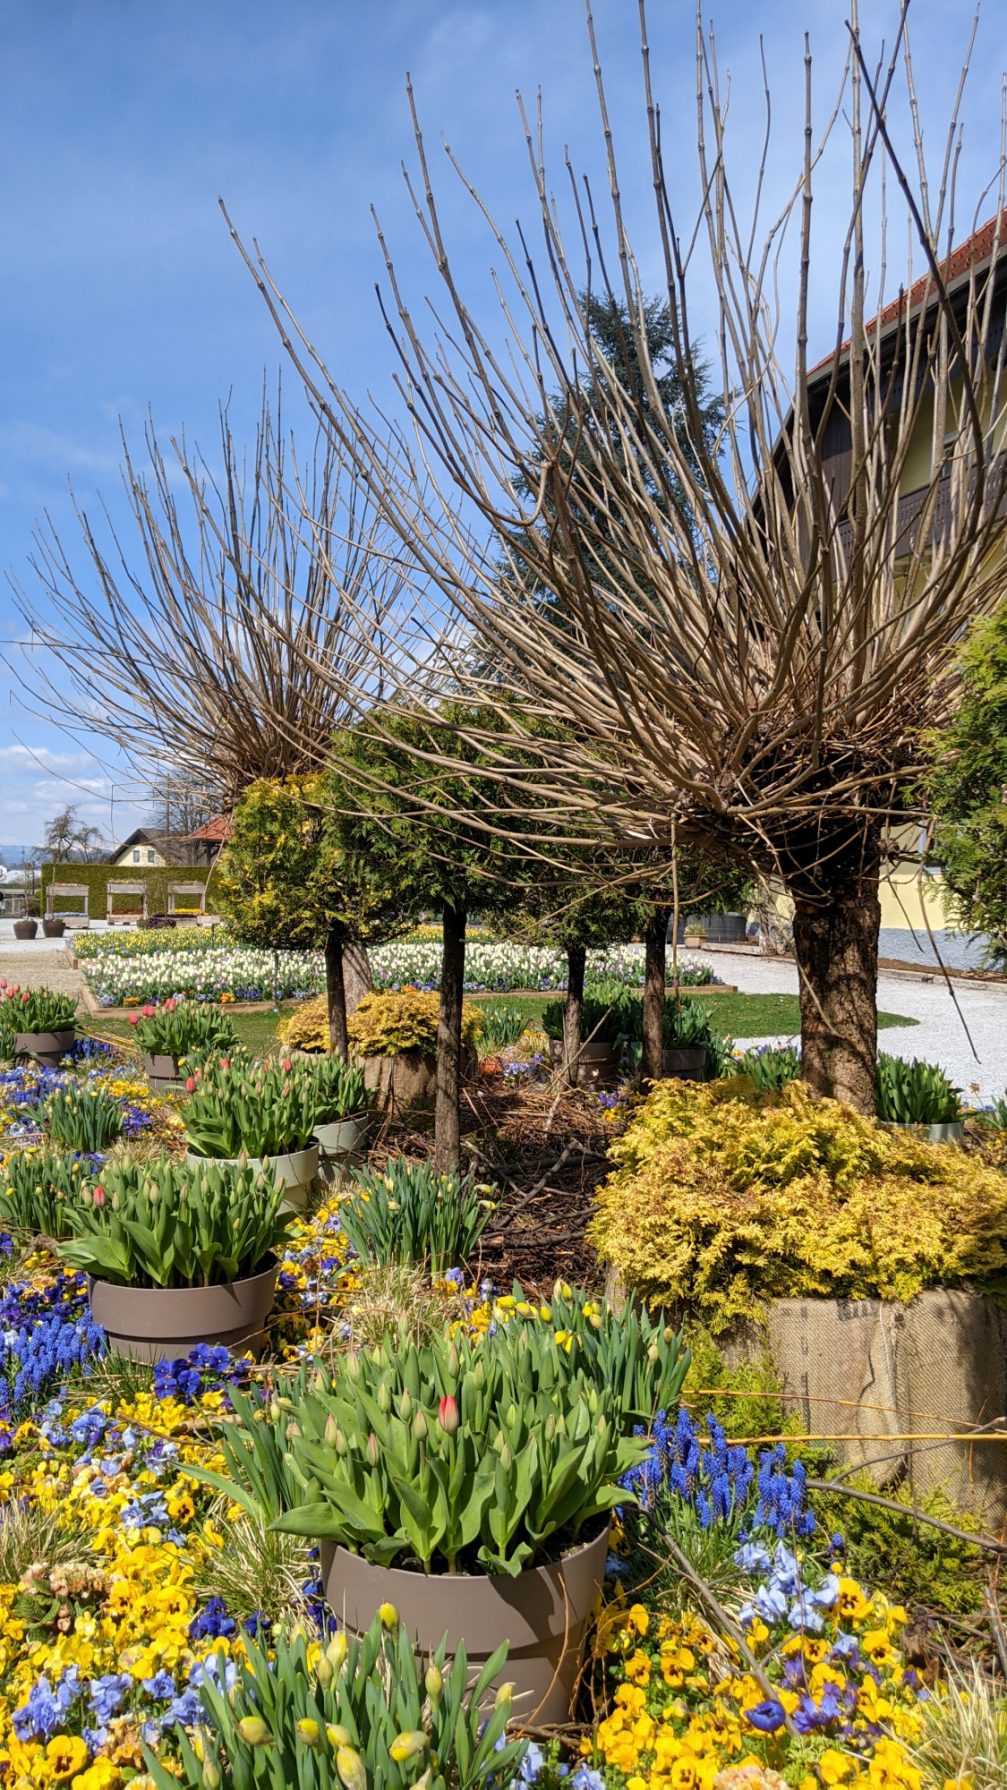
(338, 1138)
(163, 1073)
(542, 1614)
(295, 1170)
(47, 1048)
(950, 1131)
(161, 1323)
(685, 1062)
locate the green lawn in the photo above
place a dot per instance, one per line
(734, 1015)
(257, 1031)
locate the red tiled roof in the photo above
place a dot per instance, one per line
(962, 260)
(214, 831)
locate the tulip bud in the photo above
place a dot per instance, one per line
(351, 1365)
(253, 1731)
(373, 1450)
(434, 1682)
(405, 1405)
(308, 1730)
(419, 1425)
(384, 1397)
(351, 1769)
(190, 1084)
(408, 1745)
(99, 1195)
(453, 1361)
(331, 1430)
(389, 1615)
(447, 1415)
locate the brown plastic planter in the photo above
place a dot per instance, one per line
(686, 1062)
(53, 929)
(598, 1063)
(160, 1323)
(163, 1073)
(25, 929)
(542, 1614)
(48, 1048)
(295, 1170)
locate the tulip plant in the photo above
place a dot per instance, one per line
(461, 1456)
(166, 1224)
(252, 1109)
(915, 1093)
(183, 1029)
(337, 1088)
(364, 1715)
(408, 1213)
(85, 1118)
(36, 1189)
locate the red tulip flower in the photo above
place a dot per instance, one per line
(190, 1084)
(447, 1414)
(134, 1019)
(99, 1195)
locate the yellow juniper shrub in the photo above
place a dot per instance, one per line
(388, 1023)
(307, 1028)
(723, 1195)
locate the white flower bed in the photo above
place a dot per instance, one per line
(499, 967)
(242, 973)
(238, 971)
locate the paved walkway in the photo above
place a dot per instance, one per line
(37, 960)
(945, 1032)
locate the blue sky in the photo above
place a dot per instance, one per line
(120, 124)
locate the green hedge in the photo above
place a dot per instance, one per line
(98, 876)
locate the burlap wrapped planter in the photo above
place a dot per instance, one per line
(162, 1323)
(542, 1614)
(403, 1083)
(47, 1048)
(876, 1371)
(685, 1062)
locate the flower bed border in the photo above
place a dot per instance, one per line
(97, 1011)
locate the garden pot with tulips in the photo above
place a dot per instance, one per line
(25, 929)
(340, 1105)
(610, 1018)
(259, 1116)
(53, 929)
(177, 1256)
(176, 1034)
(37, 1023)
(469, 1484)
(686, 1039)
(918, 1097)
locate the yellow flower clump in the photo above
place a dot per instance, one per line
(723, 1196)
(308, 1027)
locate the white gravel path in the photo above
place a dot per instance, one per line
(940, 1035)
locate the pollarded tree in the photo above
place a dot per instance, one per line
(288, 877)
(749, 667)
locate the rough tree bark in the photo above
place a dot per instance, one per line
(655, 975)
(357, 978)
(447, 1116)
(573, 1012)
(836, 925)
(335, 989)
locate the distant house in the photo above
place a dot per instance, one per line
(141, 851)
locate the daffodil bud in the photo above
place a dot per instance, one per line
(504, 1696)
(324, 1672)
(308, 1730)
(337, 1735)
(408, 1745)
(211, 1775)
(653, 1354)
(389, 1616)
(350, 1767)
(434, 1682)
(253, 1731)
(336, 1651)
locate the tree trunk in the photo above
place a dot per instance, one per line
(447, 1116)
(655, 975)
(836, 945)
(573, 1012)
(357, 978)
(335, 991)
